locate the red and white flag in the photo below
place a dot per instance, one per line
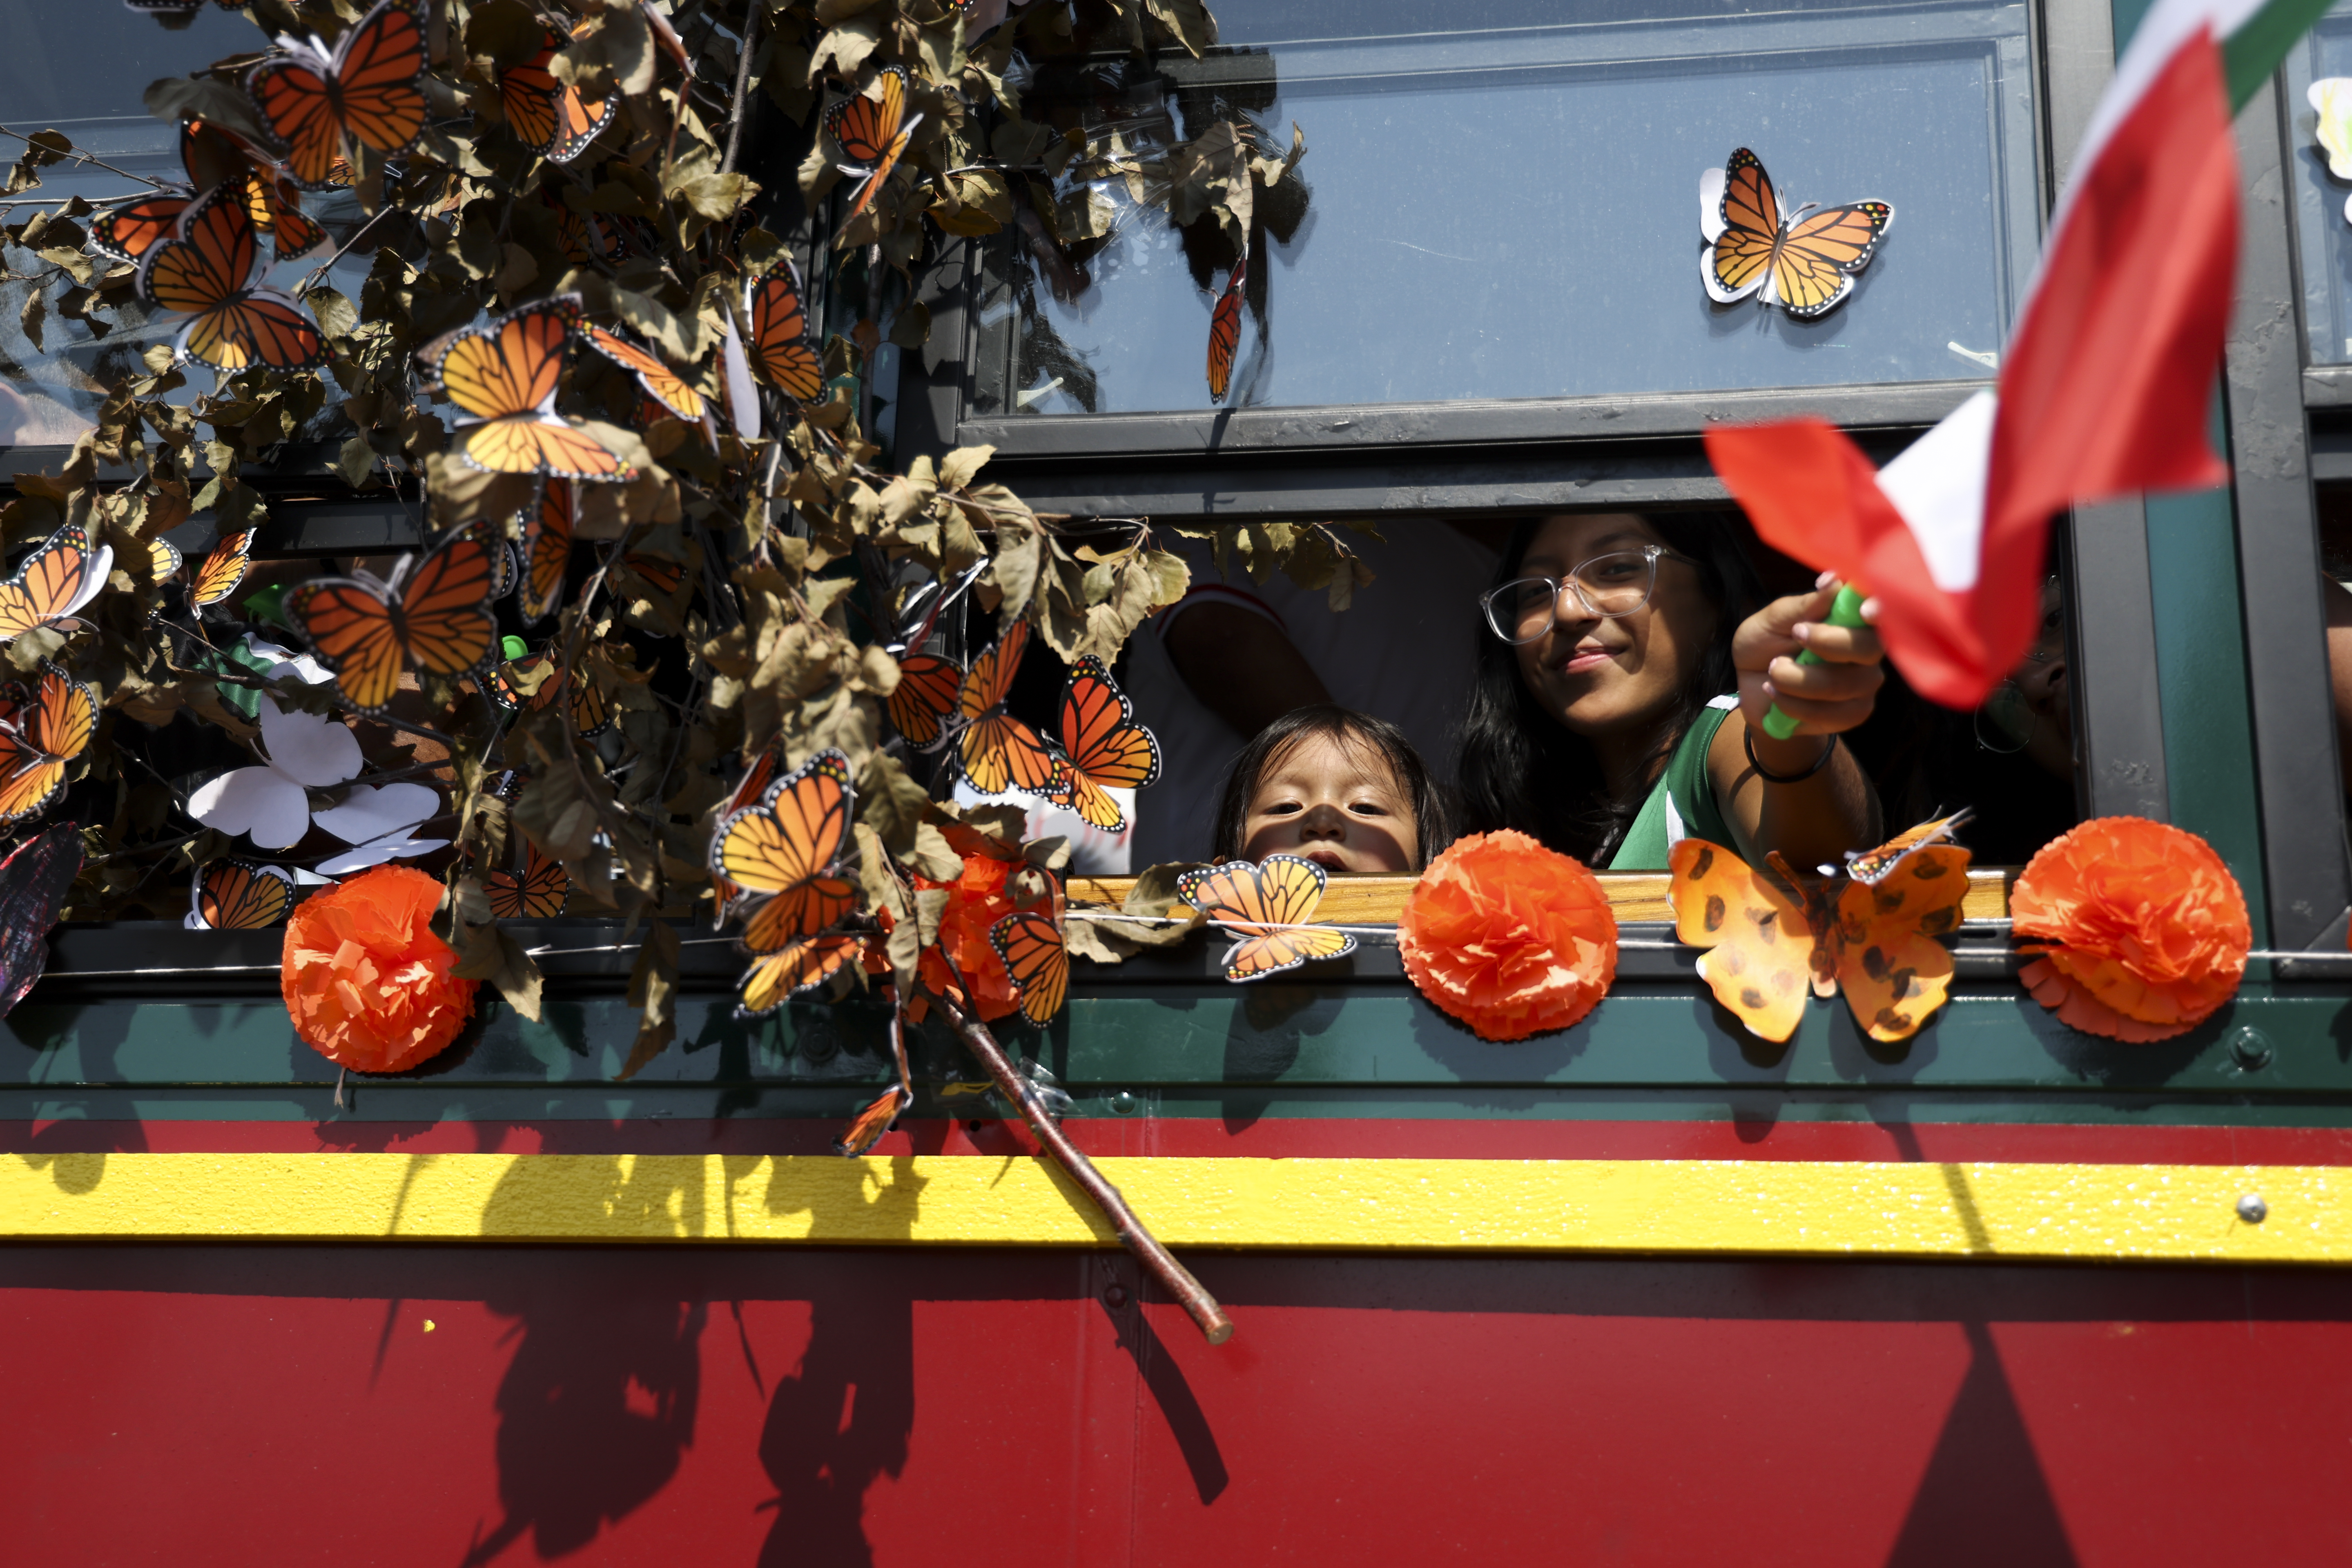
(2103, 390)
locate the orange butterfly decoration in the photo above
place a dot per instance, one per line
(40, 732)
(223, 570)
(873, 132)
(1226, 330)
(996, 752)
(434, 614)
(755, 782)
(535, 893)
(164, 559)
(211, 157)
(503, 376)
(866, 1129)
(591, 711)
(1271, 907)
(1804, 260)
(56, 580)
(925, 696)
(780, 351)
(661, 383)
(659, 574)
(368, 87)
(547, 116)
(547, 549)
(785, 847)
(1030, 943)
(210, 271)
(237, 895)
(1103, 748)
(1773, 936)
(586, 237)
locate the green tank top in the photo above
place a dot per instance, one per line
(1682, 803)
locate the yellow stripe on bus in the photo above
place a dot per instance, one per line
(1991, 1210)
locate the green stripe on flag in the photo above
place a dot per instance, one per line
(2252, 53)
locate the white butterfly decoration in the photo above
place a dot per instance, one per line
(302, 752)
(2331, 98)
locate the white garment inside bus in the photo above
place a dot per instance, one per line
(1403, 652)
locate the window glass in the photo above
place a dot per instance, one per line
(81, 69)
(1495, 202)
(2325, 230)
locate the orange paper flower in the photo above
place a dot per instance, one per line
(367, 981)
(2147, 929)
(1509, 937)
(976, 901)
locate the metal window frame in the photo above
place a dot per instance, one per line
(2271, 392)
(1469, 457)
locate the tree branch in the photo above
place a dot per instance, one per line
(1157, 1260)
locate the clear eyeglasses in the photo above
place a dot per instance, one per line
(1617, 583)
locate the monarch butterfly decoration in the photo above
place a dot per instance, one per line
(1030, 945)
(368, 87)
(661, 383)
(866, 1129)
(661, 576)
(547, 530)
(209, 271)
(503, 376)
(994, 751)
(1773, 936)
(588, 236)
(754, 784)
(434, 614)
(55, 581)
(786, 846)
(164, 560)
(1103, 748)
(1804, 260)
(592, 711)
(925, 696)
(1270, 907)
(41, 733)
(1226, 330)
(237, 895)
(211, 157)
(222, 571)
(537, 892)
(548, 116)
(780, 351)
(872, 132)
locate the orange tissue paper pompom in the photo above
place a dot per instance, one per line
(2146, 930)
(1509, 937)
(367, 981)
(976, 900)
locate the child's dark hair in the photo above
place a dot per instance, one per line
(1432, 821)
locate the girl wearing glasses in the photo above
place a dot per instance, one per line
(1624, 669)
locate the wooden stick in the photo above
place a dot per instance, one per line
(1172, 1276)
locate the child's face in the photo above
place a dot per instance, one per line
(1336, 803)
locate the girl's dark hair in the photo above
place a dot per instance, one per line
(1432, 823)
(1520, 768)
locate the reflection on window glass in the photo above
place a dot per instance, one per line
(1509, 207)
(2325, 230)
(81, 69)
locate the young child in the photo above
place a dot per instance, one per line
(1340, 788)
